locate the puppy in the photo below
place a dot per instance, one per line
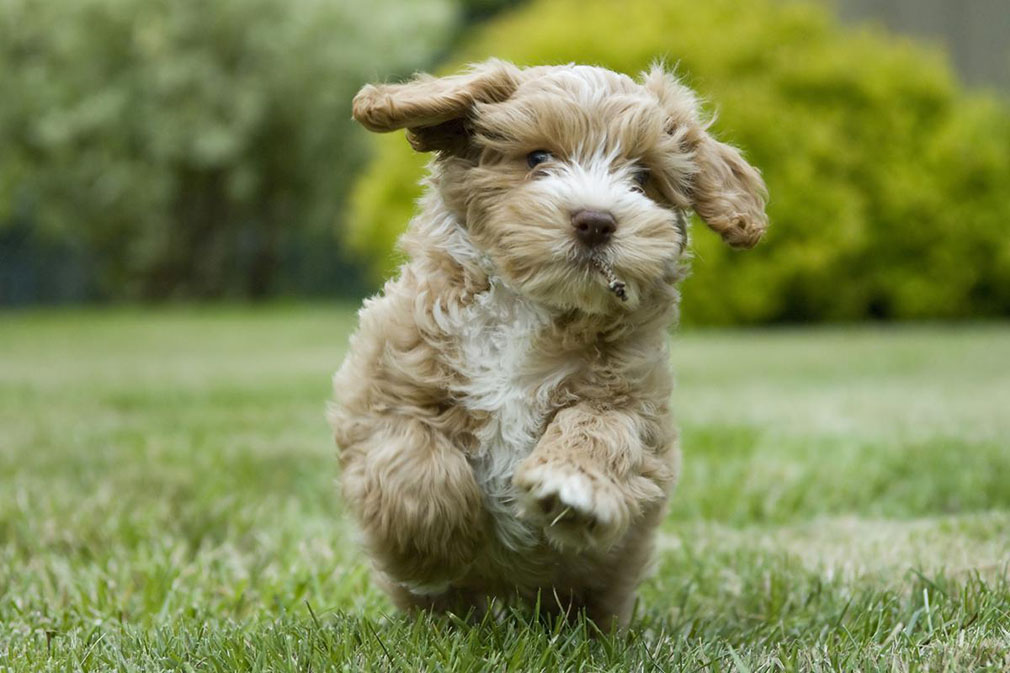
(503, 415)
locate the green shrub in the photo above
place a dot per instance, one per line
(182, 145)
(888, 182)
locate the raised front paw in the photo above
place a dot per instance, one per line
(578, 509)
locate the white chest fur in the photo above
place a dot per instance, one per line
(511, 387)
(503, 380)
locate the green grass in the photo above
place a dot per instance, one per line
(167, 502)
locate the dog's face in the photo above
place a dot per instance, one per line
(574, 179)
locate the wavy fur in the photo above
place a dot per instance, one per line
(503, 419)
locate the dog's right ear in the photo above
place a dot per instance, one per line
(434, 109)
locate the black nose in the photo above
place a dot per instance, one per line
(593, 227)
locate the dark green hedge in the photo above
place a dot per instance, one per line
(889, 183)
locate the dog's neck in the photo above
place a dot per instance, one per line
(437, 235)
(449, 236)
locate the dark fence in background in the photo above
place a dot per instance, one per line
(975, 32)
(34, 270)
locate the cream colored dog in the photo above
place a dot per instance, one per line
(503, 415)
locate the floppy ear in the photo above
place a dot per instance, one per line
(729, 194)
(434, 109)
(725, 191)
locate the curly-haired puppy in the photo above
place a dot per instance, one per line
(503, 415)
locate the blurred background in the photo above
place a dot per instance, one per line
(189, 219)
(167, 151)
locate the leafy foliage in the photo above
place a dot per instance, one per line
(183, 145)
(888, 181)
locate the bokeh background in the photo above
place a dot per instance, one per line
(185, 151)
(189, 220)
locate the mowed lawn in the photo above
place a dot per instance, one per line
(167, 502)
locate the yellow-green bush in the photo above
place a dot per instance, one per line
(888, 181)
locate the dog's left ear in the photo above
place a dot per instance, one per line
(434, 109)
(726, 191)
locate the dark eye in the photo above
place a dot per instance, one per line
(537, 157)
(641, 177)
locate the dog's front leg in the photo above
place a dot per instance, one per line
(592, 475)
(417, 503)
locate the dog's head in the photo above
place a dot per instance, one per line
(574, 178)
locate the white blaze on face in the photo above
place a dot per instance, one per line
(529, 236)
(646, 241)
(596, 183)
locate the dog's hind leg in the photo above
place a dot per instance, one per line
(610, 600)
(469, 605)
(417, 504)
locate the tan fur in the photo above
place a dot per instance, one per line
(503, 419)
